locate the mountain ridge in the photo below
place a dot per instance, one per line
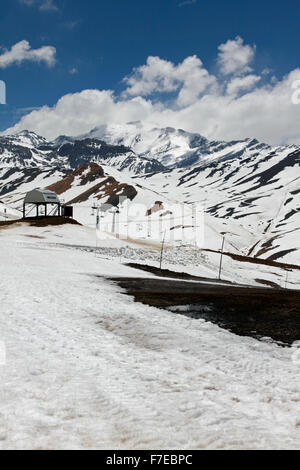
(245, 182)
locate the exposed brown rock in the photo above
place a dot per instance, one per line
(95, 172)
(107, 188)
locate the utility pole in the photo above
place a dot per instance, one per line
(194, 219)
(113, 229)
(287, 279)
(97, 227)
(162, 250)
(98, 218)
(221, 259)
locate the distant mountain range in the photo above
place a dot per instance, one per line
(28, 150)
(240, 183)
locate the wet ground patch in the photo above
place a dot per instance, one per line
(245, 311)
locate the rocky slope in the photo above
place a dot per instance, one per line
(91, 182)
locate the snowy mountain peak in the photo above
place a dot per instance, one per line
(28, 139)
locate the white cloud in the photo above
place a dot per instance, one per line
(239, 84)
(161, 76)
(80, 112)
(157, 75)
(235, 57)
(22, 52)
(219, 108)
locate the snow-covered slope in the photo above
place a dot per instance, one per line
(259, 192)
(242, 185)
(89, 368)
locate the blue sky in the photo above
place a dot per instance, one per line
(99, 42)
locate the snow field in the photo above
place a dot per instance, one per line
(88, 368)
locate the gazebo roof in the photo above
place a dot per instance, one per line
(41, 196)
